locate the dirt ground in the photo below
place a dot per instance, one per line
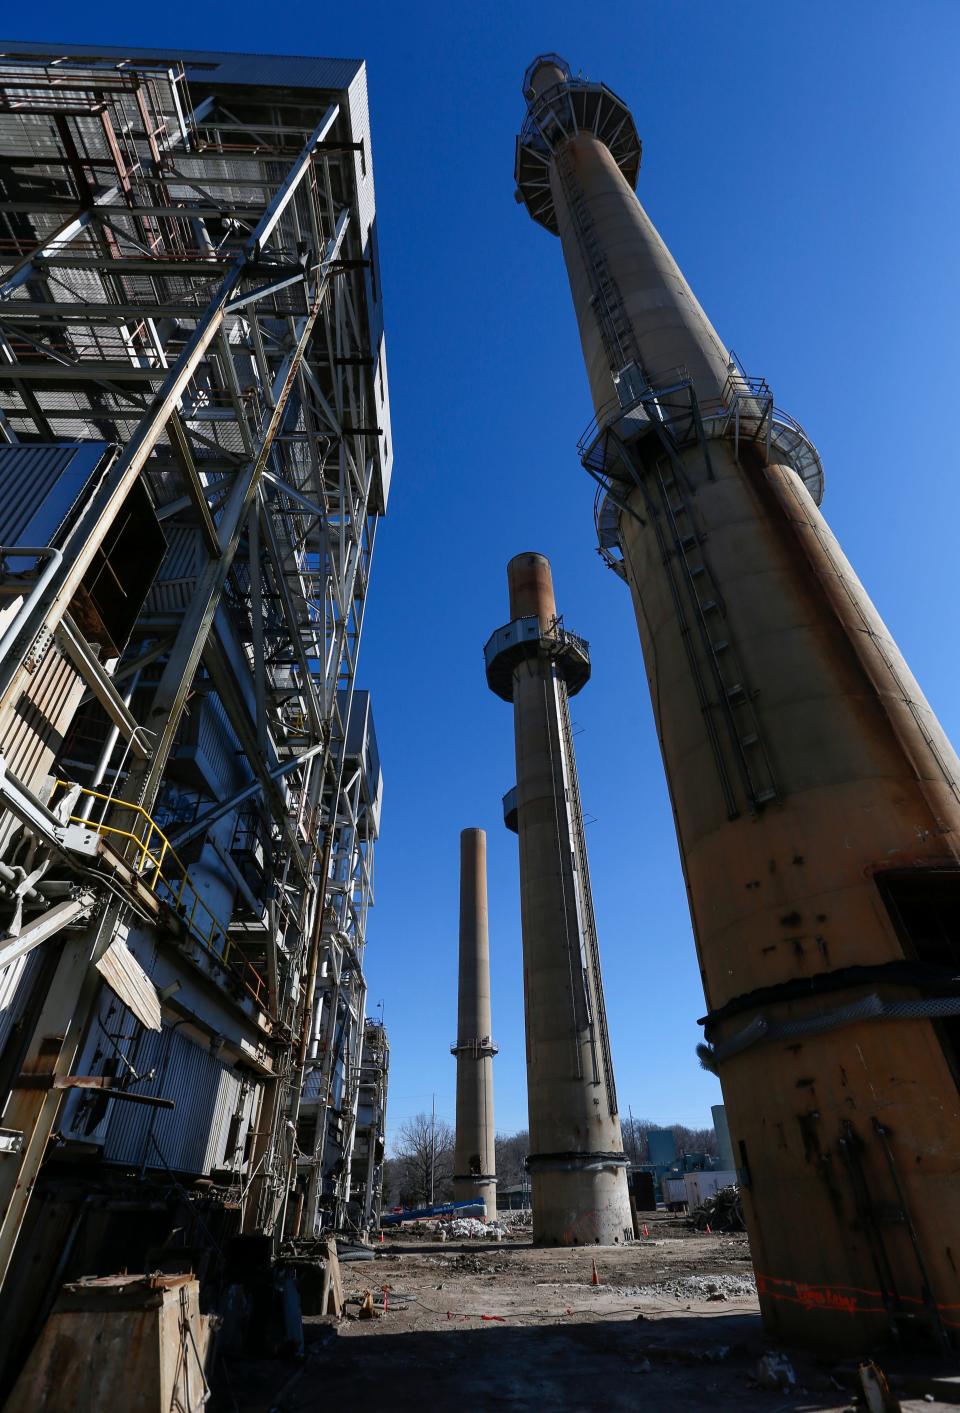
(673, 1324)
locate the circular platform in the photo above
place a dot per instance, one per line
(523, 639)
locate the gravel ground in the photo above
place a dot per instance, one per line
(672, 1324)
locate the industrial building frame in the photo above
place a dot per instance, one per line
(189, 290)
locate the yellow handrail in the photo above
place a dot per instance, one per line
(183, 895)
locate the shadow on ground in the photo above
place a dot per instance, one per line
(686, 1365)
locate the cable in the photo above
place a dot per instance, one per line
(543, 1314)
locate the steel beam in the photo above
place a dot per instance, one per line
(91, 669)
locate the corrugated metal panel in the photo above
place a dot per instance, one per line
(205, 1094)
(16, 982)
(37, 724)
(312, 1084)
(173, 587)
(39, 485)
(128, 980)
(208, 752)
(35, 729)
(218, 742)
(229, 1098)
(113, 1033)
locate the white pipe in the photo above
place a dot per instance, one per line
(55, 557)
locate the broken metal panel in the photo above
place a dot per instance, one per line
(127, 979)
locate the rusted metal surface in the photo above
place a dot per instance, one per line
(531, 589)
(92, 1081)
(137, 1343)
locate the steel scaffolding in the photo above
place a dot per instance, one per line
(188, 280)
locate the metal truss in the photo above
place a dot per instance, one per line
(370, 1149)
(185, 282)
(334, 1061)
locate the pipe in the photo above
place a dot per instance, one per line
(108, 749)
(55, 559)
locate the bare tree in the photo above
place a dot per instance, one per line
(511, 1151)
(424, 1158)
(686, 1140)
(424, 1149)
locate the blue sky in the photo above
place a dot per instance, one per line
(800, 161)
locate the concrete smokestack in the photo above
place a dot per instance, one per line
(577, 1165)
(475, 1172)
(721, 1128)
(816, 798)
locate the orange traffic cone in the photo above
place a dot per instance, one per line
(595, 1279)
(381, 1238)
(645, 1229)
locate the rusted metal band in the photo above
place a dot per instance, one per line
(932, 981)
(574, 1162)
(868, 1008)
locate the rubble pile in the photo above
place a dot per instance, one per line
(721, 1212)
(715, 1287)
(521, 1218)
(473, 1228)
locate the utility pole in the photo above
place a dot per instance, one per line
(433, 1142)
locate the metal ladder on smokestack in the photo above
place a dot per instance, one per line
(579, 842)
(735, 696)
(615, 327)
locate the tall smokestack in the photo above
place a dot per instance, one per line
(576, 1163)
(815, 795)
(474, 1170)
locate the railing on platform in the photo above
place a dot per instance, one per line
(154, 859)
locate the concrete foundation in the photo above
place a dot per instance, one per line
(577, 1165)
(474, 1169)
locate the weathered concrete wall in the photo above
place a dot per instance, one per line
(847, 1138)
(578, 1180)
(475, 1166)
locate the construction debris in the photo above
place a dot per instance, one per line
(462, 1227)
(876, 1390)
(697, 1287)
(723, 1211)
(331, 1302)
(775, 1371)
